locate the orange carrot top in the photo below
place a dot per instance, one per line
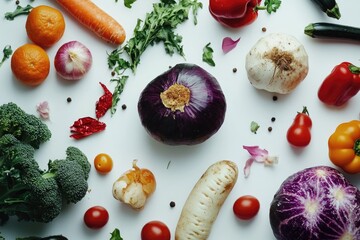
(94, 18)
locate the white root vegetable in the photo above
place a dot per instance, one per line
(277, 63)
(134, 187)
(205, 200)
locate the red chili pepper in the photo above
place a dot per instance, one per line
(86, 126)
(340, 85)
(238, 13)
(104, 103)
(299, 134)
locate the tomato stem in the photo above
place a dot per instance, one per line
(305, 111)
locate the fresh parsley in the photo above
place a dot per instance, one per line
(272, 5)
(128, 3)
(115, 235)
(158, 26)
(208, 55)
(254, 126)
(7, 52)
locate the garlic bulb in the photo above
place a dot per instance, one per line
(277, 63)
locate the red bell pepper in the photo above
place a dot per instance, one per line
(340, 85)
(238, 13)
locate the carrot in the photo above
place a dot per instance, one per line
(205, 200)
(95, 19)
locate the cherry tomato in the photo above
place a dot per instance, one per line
(299, 134)
(155, 230)
(246, 207)
(103, 163)
(96, 217)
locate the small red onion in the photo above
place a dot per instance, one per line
(73, 60)
(183, 106)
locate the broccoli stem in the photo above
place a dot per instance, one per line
(16, 190)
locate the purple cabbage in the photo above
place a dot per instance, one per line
(191, 123)
(317, 203)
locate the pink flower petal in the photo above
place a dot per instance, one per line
(258, 155)
(247, 167)
(43, 109)
(257, 152)
(228, 44)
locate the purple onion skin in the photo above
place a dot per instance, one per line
(332, 219)
(202, 117)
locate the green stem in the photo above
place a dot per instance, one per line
(7, 51)
(269, 5)
(18, 11)
(334, 12)
(13, 191)
(305, 110)
(354, 69)
(357, 147)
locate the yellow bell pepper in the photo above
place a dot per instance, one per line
(344, 146)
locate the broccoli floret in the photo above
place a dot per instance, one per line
(75, 154)
(43, 198)
(33, 194)
(14, 153)
(24, 192)
(70, 177)
(27, 128)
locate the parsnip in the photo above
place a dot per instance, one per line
(205, 200)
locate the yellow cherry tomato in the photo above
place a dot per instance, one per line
(103, 163)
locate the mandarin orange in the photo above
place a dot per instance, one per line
(45, 26)
(30, 64)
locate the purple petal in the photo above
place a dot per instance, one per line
(256, 152)
(43, 109)
(247, 167)
(228, 44)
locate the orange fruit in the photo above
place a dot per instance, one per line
(45, 26)
(30, 64)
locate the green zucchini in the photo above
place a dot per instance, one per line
(54, 237)
(329, 7)
(332, 31)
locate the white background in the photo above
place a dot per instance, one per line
(125, 139)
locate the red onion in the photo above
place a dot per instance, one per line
(73, 60)
(183, 106)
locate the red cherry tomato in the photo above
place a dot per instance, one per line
(299, 134)
(246, 207)
(96, 217)
(103, 163)
(155, 230)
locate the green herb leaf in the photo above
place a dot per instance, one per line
(254, 126)
(272, 5)
(208, 55)
(17, 12)
(158, 26)
(128, 3)
(119, 88)
(115, 235)
(7, 51)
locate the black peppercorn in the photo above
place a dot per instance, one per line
(172, 204)
(68, 99)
